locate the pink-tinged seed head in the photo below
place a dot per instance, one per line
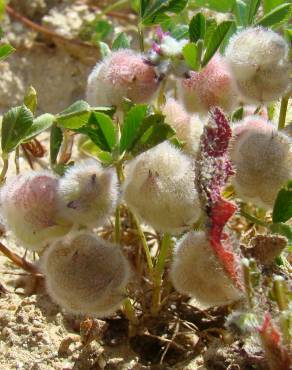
(160, 189)
(196, 271)
(213, 86)
(86, 274)
(259, 61)
(252, 122)
(188, 128)
(262, 157)
(123, 74)
(29, 207)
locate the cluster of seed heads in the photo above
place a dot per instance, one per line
(84, 274)
(39, 206)
(167, 188)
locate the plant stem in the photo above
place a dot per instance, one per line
(200, 45)
(113, 6)
(119, 169)
(283, 111)
(18, 261)
(144, 243)
(159, 267)
(285, 324)
(131, 316)
(16, 160)
(141, 37)
(67, 145)
(4, 169)
(253, 219)
(279, 291)
(158, 274)
(161, 96)
(118, 225)
(247, 281)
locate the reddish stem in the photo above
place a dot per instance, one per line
(19, 261)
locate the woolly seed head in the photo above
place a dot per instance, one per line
(196, 272)
(262, 157)
(160, 188)
(87, 193)
(213, 86)
(188, 128)
(29, 207)
(86, 274)
(258, 58)
(123, 74)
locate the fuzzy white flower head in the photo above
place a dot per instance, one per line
(160, 188)
(263, 160)
(188, 128)
(196, 272)
(212, 86)
(122, 74)
(259, 61)
(86, 274)
(30, 210)
(88, 193)
(170, 47)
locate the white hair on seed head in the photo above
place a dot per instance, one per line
(195, 271)
(188, 128)
(160, 188)
(122, 74)
(258, 58)
(88, 193)
(86, 274)
(30, 210)
(212, 86)
(263, 160)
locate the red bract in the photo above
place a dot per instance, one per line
(214, 164)
(220, 214)
(217, 134)
(268, 331)
(277, 355)
(214, 171)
